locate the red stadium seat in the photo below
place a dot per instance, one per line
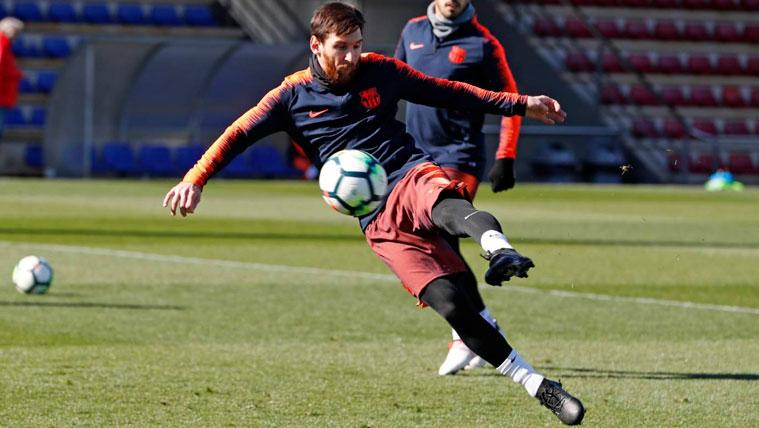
(699, 64)
(750, 4)
(641, 61)
(741, 163)
(611, 94)
(636, 3)
(673, 95)
(754, 102)
(732, 97)
(702, 96)
(667, 4)
(735, 127)
(576, 29)
(696, 31)
(726, 4)
(752, 66)
(705, 125)
(751, 33)
(644, 128)
(703, 163)
(697, 4)
(611, 63)
(640, 95)
(578, 62)
(729, 65)
(608, 28)
(666, 30)
(673, 129)
(669, 64)
(726, 32)
(636, 29)
(545, 27)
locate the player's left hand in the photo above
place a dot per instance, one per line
(502, 176)
(185, 196)
(545, 109)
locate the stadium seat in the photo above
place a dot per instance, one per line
(56, 46)
(637, 3)
(611, 94)
(239, 167)
(751, 33)
(699, 64)
(641, 62)
(729, 65)
(673, 95)
(726, 4)
(741, 163)
(199, 15)
(46, 80)
(25, 86)
(28, 11)
(636, 29)
(667, 4)
(704, 163)
(62, 11)
(726, 32)
(732, 97)
(666, 30)
(754, 100)
(696, 31)
(575, 28)
(33, 155)
(702, 96)
(705, 125)
(97, 13)
(186, 156)
(696, 4)
(555, 163)
(735, 127)
(26, 48)
(669, 64)
(39, 114)
(608, 28)
(268, 161)
(578, 62)
(15, 117)
(644, 128)
(673, 129)
(165, 15)
(118, 158)
(155, 161)
(545, 27)
(610, 63)
(752, 66)
(642, 96)
(750, 4)
(131, 14)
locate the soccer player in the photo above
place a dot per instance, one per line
(348, 100)
(451, 44)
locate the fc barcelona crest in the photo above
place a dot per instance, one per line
(457, 55)
(370, 98)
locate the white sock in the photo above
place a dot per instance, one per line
(493, 240)
(521, 372)
(454, 335)
(485, 313)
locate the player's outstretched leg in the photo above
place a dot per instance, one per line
(458, 217)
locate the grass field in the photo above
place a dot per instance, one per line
(267, 309)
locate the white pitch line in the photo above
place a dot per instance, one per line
(138, 255)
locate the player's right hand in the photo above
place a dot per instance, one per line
(185, 196)
(545, 109)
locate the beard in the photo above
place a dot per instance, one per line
(340, 74)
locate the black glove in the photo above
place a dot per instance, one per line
(502, 176)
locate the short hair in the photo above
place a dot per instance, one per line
(336, 17)
(11, 23)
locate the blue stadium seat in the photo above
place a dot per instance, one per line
(155, 160)
(56, 46)
(199, 16)
(15, 117)
(240, 167)
(26, 48)
(33, 155)
(165, 15)
(269, 162)
(46, 80)
(62, 11)
(26, 87)
(186, 156)
(97, 13)
(28, 11)
(130, 13)
(3, 11)
(119, 159)
(39, 114)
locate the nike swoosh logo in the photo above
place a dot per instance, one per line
(466, 217)
(313, 114)
(415, 46)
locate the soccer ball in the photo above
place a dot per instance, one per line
(352, 182)
(32, 275)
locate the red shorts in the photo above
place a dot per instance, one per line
(404, 236)
(470, 182)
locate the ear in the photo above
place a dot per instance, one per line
(315, 45)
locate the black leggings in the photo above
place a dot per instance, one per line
(451, 297)
(458, 217)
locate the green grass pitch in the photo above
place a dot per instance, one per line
(265, 308)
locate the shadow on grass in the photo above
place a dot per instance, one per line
(94, 305)
(574, 372)
(301, 236)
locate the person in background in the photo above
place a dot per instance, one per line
(448, 42)
(10, 75)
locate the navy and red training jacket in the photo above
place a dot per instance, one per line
(453, 136)
(361, 116)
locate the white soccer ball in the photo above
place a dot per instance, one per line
(32, 275)
(352, 182)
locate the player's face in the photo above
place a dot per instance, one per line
(339, 55)
(450, 8)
